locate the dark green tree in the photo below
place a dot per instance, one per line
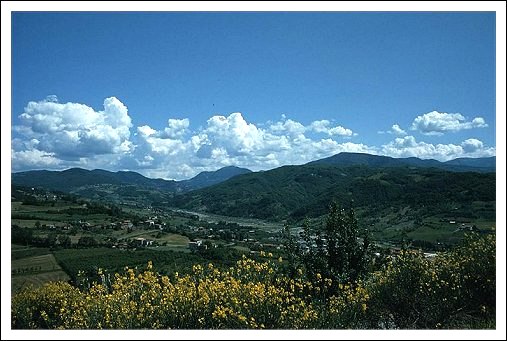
(64, 241)
(346, 251)
(51, 240)
(87, 241)
(313, 255)
(21, 235)
(339, 252)
(291, 249)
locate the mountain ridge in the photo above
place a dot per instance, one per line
(487, 164)
(287, 190)
(302, 191)
(73, 178)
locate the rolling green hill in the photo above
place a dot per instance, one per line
(369, 182)
(299, 191)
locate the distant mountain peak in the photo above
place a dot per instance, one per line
(210, 178)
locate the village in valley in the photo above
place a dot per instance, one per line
(60, 227)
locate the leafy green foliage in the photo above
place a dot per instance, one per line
(87, 241)
(454, 290)
(338, 254)
(346, 255)
(21, 235)
(74, 260)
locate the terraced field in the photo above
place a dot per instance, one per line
(35, 270)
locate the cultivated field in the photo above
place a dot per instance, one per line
(35, 270)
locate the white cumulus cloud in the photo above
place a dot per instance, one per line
(436, 123)
(396, 129)
(33, 159)
(289, 127)
(323, 126)
(71, 131)
(408, 146)
(176, 127)
(472, 145)
(231, 140)
(55, 135)
(233, 134)
(146, 131)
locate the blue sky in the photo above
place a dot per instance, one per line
(173, 94)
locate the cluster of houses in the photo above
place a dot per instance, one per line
(129, 225)
(463, 225)
(122, 224)
(201, 230)
(143, 242)
(196, 245)
(468, 227)
(133, 243)
(44, 195)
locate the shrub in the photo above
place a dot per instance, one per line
(454, 290)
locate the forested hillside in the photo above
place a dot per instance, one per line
(298, 191)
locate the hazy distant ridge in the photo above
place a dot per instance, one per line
(487, 164)
(71, 179)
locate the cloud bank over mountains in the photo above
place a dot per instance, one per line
(53, 135)
(436, 123)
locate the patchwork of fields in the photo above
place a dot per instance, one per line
(34, 270)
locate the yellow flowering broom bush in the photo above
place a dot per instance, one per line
(455, 290)
(248, 295)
